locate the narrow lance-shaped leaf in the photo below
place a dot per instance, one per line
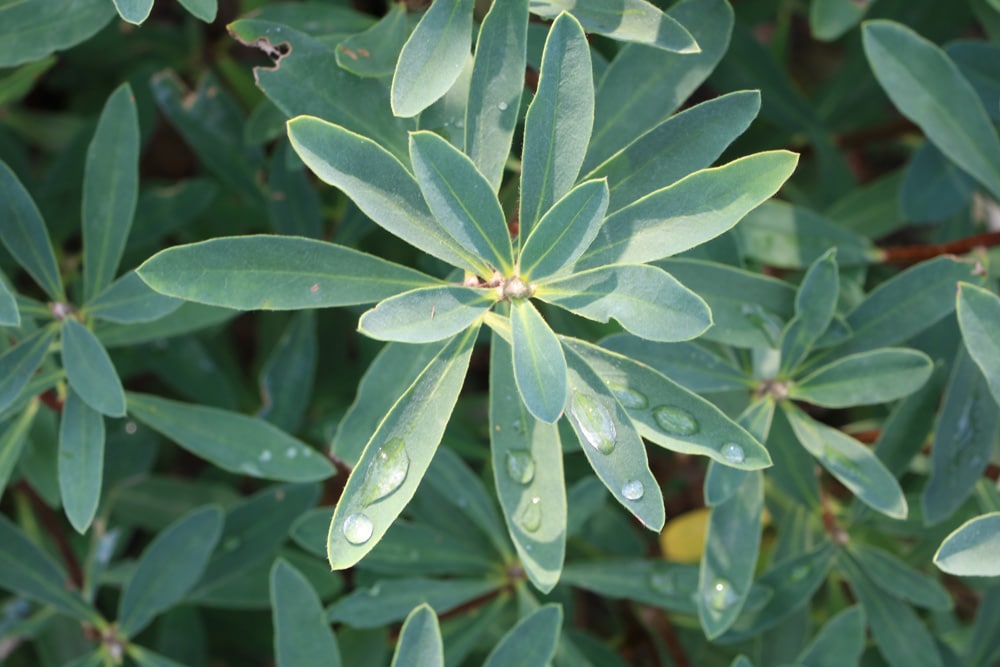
(30, 31)
(432, 57)
(849, 461)
(426, 315)
(558, 123)
(878, 376)
(234, 442)
(611, 443)
(689, 364)
(624, 20)
(528, 472)
(286, 380)
(20, 362)
(420, 640)
(530, 643)
(645, 300)
(722, 481)
(13, 438)
(378, 183)
(110, 189)
(693, 210)
(129, 300)
(539, 362)
(397, 455)
(815, 303)
(840, 641)
(971, 549)
(374, 52)
(979, 319)
(462, 200)
(9, 314)
(391, 601)
(90, 371)
(25, 235)
(275, 273)
(496, 87)
(81, 460)
(898, 579)
(168, 568)
(302, 635)
(928, 88)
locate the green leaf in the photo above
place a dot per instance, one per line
(15, 85)
(275, 273)
(462, 200)
(420, 640)
(689, 212)
(395, 368)
(565, 231)
(678, 146)
(234, 442)
(970, 550)
(815, 303)
(830, 19)
(168, 568)
(688, 364)
(731, 547)
(933, 187)
(899, 634)
(129, 300)
(979, 318)
(397, 455)
(189, 317)
(624, 20)
(558, 123)
(426, 315)
(877, 376)
(374, 52)
(19, 363)
(665, 585)
(27, 570)
(302, 636)
(90, 371)
(900, 580)
(378, 183)
(793, 237)
(496, 87)
(610, 441)
(203, 10)
(645, 300)
(24, 232)
(643, 85)
(539, 362)
(929, 89)
(967, 427)
(840, 641)
(849, 461)
(293, 203)
(286, 380)
(9, 314)
(13, 438)
(530, 643)
(977, 59)
(432, 57)
(392, 600)
(722, 481)
(32, 30)
(905, 430)
(669, 415)
(134, 11)
(907, 303)
(146, 658)
(81, 460)
(528, 472)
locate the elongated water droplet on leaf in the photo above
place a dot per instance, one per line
(677, 421)
(520, 466)
(387, 471)
(594, 422)
(629, 398)
(358, 528)
(733, 453)
(531, 515)
(721, 596)
(633, 490)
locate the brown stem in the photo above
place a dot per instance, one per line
(53, 527)
(911, 254)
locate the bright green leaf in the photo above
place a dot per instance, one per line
(722, 481)
(979, 318)
(539, 362)
(419, 640)
(565, 231)
(90, 371)
(877, 376)
(971, 549)
(129, 300)
(624, 20)
(81, 460)
(530, 643)
(689, 364)
(426, 315)
(302, 636)
(24, 232)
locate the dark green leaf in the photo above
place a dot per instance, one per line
(977, 60)
(302, 636)
(234, 442)
(970, 550)
(9, 314)
(530, 643)
(656, 582)
(877, 376)
(293, 204)
(146, 658)
(839, 642)
(12, 440)
(286, 380)
(90, 371)
(168, 568)
(23, 230)
(187, 318)
(203, 10)
(81, 460)
(905, 430)
(829, 19)
(19, 363)
(419, 640)
(933, 187)
(375, 51)
(898, 579)
(275, 273)
(428, 314)
(392, 599)
(129, 300)
(32, 30)
(539, 362)
(815, 303)
(979, 318)
(624, 20)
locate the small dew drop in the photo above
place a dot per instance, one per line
(663, 582)
(629, 398)
(131, 427)
(721, 595)
(595, 422)
(502, 106)
(531, 515)
(677, 421)
(291, 452)
(633, 490)
(520, 466)
(733, 453)
(387, 471)
(265, 456)
(231, 544)
(358, 528)
(460, 123)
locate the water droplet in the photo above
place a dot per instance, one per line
(460, 123)
(387, 471)
(358, 528)
(291, 452)
(531, 515)
(663, 582)
(265, 456)
(675, 420)
(520, 466)
(594, 422)
(633, 490)
(131, 427)
(629, 398)
(733, 453)
(721, 595)
(251, 468)
(799, 573)
(502, 106)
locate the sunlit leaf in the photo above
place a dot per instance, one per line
(302, 636)
(420, 640)
(539, 362)
(970, 550)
